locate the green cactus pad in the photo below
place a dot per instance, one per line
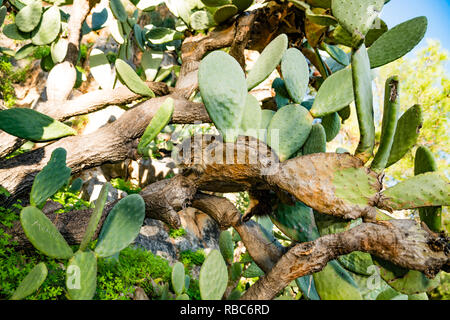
(139, 37)
(389, 123)
(223, 90)
(360, 191)
(150, 62)
(429, 189)
(213, 277)
(251, 119)
(357, 262)
(49, 28)
(226, 246)
(335, 93)
(116, 29)
(356, 16)
(76, 185)
(397, 42)
(59, 50)
(242, 5)
(236, 271)
(320, 3)
(235, 294)
(266, 117)
(29, 16)
(118, 10)
(292, 124)
(317, 140)
(378, 29)
(332, 125)
(51, 178)
(295, 72)
(224, 13)
(345, 113)
(11, 31)
(340, 36)
(424, 162)
(158, 122)
(81, 276)
(267, 62)
(132, 80)
(100, 69)
(362, 89)
(31, 282)
(327, 224)
(253, 271)
(3, 12)
(121, 226)
(405, 281)
(336, 53)
(178, 278)
(391, 294)
(43, 234)
(95, 217)
(296, 222)
(307, 287)
(406, 134)
(201, 20)
(318, 17)
(215, 3)
(335, 283)
(25, 51)
(281, 94)
(32, 125)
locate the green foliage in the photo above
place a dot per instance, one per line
(213, 277)
(126, 186)
(129, 77)
(190, 258)
(176, 233)
(8, 77)
(295, 72)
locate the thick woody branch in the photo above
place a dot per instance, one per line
(402, 242)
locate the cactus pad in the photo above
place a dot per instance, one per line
(150, 62)
(332, 125)
(335, 283)
(362, 89)
(292, 124)
(29, 16)
(406, 134)
(397, 42)
(43, 234)
(49, 28)
(389, 123)
(51, 178)
(335, 93)
(296, 222)
(357, 262)
(118, 10)
(317, 140)
(132, 80)
(224, 13)
(429, 189)
(242, 5)
(226, 246)
(95, 216)
(32, 125)
(253, 271)
(251, 119)
(295, 72)
(100, 69)
(356, 16)
(31, 282)
(268, 60)
(224, 91)
(158, 122)
(81, 276)
(121, 226)
(213, 277)
(178, 278)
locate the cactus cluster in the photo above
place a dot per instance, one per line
(118, 231)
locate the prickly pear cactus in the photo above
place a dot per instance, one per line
(43, 234)
(213, 277)
(251, 119)
(295, 72)
(268, 60)
(226, 246)
(31, 282)
(178, 278)
(424, 162)
(317, 140)
(32, 125)
(121, 226)
(81, 276)
(51, 178)
(29, 16)
(131, 79)
(158, 122)
(49, 27)
(223, 90)
(332, 125)
(288, 130)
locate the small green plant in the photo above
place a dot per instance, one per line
(126, 186)
(176, 233)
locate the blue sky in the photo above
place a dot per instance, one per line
(437, 12)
